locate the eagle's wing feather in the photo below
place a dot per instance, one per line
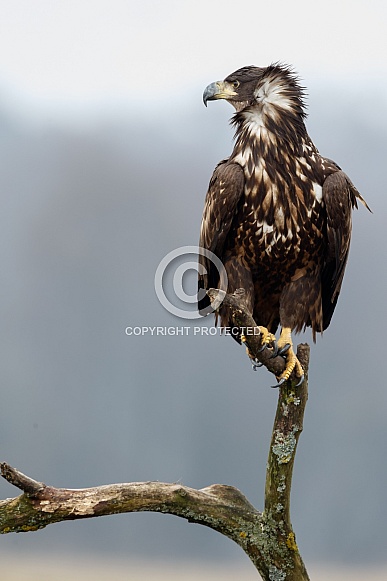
(224, 192)
(339, 197)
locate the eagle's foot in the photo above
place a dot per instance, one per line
(255, 363)
(267, 340)
(285, 348)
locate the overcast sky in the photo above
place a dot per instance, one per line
(58, 53)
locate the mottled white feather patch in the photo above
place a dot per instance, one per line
(256, 128)
(243, 156)
(271, 92)
(317, 191)
(266, 229)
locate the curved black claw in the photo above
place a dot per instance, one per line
(274, 349)
(255, 363)
(284, 349)
(281, 382)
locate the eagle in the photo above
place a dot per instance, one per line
(277, 213)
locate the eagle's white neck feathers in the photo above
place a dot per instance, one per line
(273, 93)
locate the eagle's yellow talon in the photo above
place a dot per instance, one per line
(266, 337)
(292, 363)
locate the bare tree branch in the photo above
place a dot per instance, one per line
(267, 537)
(217, 506)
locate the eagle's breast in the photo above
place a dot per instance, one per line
(281, 218)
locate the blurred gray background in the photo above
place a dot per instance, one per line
(105, 156)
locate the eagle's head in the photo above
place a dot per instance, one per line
(273, 89)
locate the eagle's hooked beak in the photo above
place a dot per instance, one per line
(218, 90)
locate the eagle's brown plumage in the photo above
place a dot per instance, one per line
(277, 213)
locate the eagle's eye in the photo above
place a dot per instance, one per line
(235, 84)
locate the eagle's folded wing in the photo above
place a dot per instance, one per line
(224, 192)
(339, 200)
